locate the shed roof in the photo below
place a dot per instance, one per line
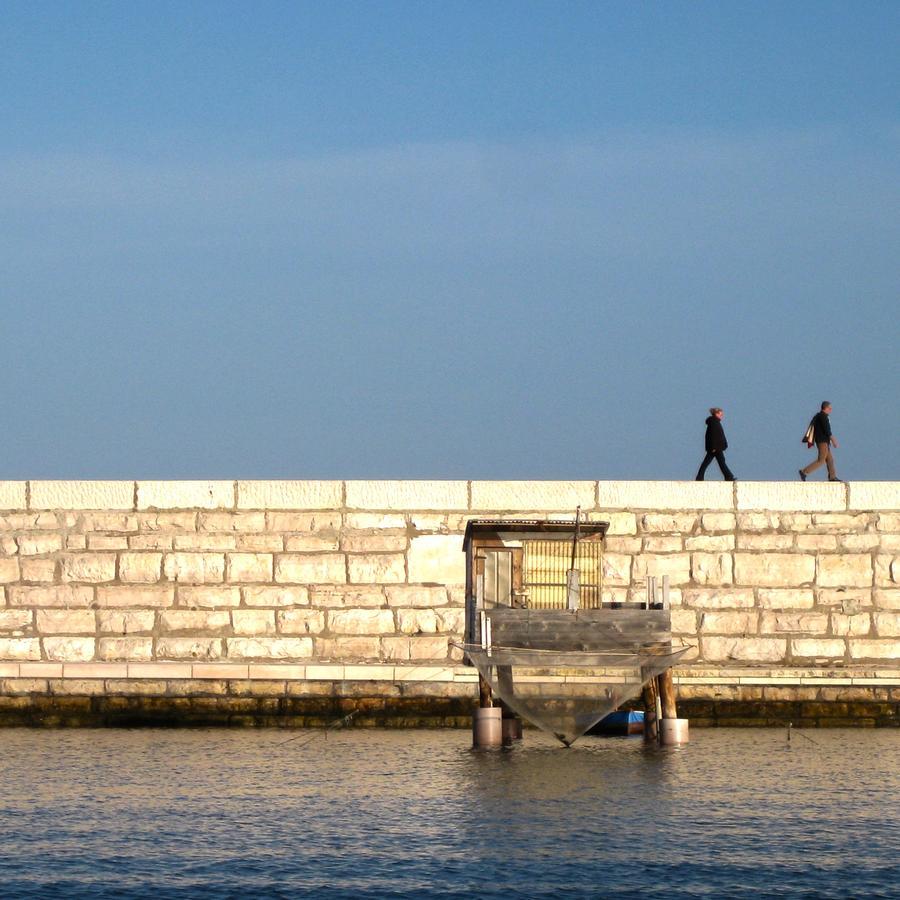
(552, 528)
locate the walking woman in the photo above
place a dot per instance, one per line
(716, 445)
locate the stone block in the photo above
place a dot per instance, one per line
(290, 495)
(348, 648)
(888, 522)
(300, 621)
(395, 649)
(874, 495)
(122, 648)
(657, 495)
(791, 496)
(253, 622)
(818, 648)
(59, 595)
(232, 522)
(361, 621)
(887, 570)
(451, 620)
(887, 624)
(428, 648)
(711, 568)
(65, 621)
(269, 648)
(143, 568)
(98, 542)
(407, 495)
(436, 559)
(248, 567)
(94, 568)
(841, 522)
(108, 521)
(684, 621)
(135, 597)
(728, 622)
(327, 521)
(12, 495)
(851, 624)
(99, 495)
(887, 599)
(391, 522)
(185, 495)
(312, 568)
(69, 649)
(718, 598)
(887, 650)
(193, 620)
(36, 543)
(208, 597)
(620, 523)
(718, 521)
(710, 543)
(125, 621)
(547, 496)
(194, 568)
(668, 523)
(17, 619)
(676, 565)
(375, 568)
(759, 521)
(814, 542)
(663, 544)
(260, 543)
(782, 622)
(765, 541)
(369, 542)
(9, 570)
(36, 569)
(786, 599)
(417, 621)
(844, 570)
(275, 596)
(616, 568)
(774, 569)
(627, 545)
(154, 522)
(151, 542)
(188, 648)
(415, 596)
(95, 670)
(743, 649)
(849, 600)
(323, 542)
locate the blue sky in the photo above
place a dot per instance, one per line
(459, 240)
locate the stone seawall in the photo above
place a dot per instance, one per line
(297, 601)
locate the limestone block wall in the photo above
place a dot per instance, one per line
(190, 588)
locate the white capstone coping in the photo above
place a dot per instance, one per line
(407, 495)
(534, 495)
(13, 494)
(185, 495)
(865, 495)
(789, 496)
(81, 495)
(664, 495)
(290, 494)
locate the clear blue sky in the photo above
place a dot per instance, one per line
(446, 240)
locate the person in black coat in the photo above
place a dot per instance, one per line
(716, 444)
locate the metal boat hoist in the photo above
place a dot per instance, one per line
(548, 643)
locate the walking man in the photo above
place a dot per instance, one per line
(716, 445)
(824, 441)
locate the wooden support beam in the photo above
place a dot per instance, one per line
(666, 688)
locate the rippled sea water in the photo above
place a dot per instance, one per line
(365, 813)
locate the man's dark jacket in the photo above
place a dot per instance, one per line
(715, 435)
(821, 428)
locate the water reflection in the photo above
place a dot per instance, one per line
(376, 813)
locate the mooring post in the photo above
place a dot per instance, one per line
(651, 727)
(672, 730)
